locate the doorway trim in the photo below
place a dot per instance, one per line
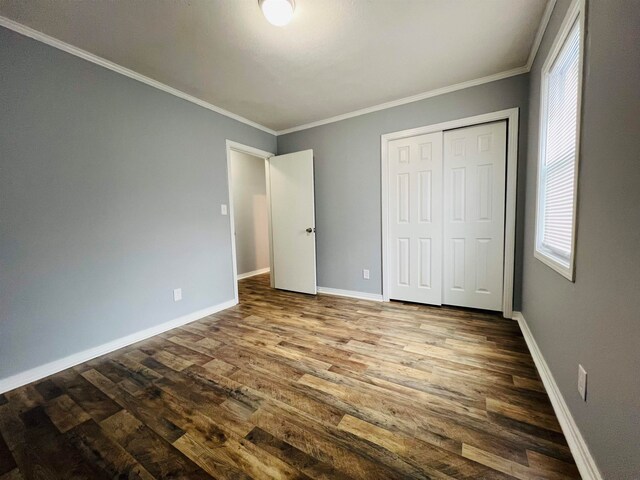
(239, 147)
(511, 115)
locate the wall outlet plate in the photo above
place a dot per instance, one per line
(177, 294)
(365, 274)
(582, 382)
(223, 209)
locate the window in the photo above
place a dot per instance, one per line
(559, 142)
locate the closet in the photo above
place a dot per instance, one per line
(446, 217)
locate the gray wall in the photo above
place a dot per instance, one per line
(110, 194)
(347, 177)
(250, 214)
(596, 320)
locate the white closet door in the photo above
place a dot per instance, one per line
(474, 203)
(415, 219)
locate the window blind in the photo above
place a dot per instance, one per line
(558, 166)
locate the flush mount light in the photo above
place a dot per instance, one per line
(277, 12)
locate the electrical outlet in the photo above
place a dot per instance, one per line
(582, 382)
(365, 274)
(177, 294)
(223, 209)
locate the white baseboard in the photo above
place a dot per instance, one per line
(581, 454)
(56, 366)
(254, 273)
(376, 297)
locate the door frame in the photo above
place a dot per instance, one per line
(239, 147)
(511, 115)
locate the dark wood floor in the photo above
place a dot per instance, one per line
(292, 386)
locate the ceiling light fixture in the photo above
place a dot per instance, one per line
(277, 12)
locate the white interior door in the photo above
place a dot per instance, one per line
(293, 221)
(474, 206)
(415, 219)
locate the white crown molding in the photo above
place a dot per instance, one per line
(78, 52)
(242, 276)
(42, 371)
(584, 460)
(374, 297)
(42, 37)
(411, 99)
(542, 28)
(441, 91)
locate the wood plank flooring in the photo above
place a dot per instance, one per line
(289, 386)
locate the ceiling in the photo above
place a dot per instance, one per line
(336, 56)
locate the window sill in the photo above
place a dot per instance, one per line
(566, 271)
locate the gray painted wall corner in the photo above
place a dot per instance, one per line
(110, 192)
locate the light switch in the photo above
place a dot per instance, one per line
(223, 209)
(177, 294)
(582, 382)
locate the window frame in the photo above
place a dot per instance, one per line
(576, 12)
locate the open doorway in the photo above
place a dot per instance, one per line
(249, 211)
(250, 214)
(272, 209)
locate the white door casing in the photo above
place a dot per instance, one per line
(415, 219)
(292, 215)
(474, 216)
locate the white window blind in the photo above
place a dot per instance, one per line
(558, 152)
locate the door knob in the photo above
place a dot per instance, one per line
(309, 230)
